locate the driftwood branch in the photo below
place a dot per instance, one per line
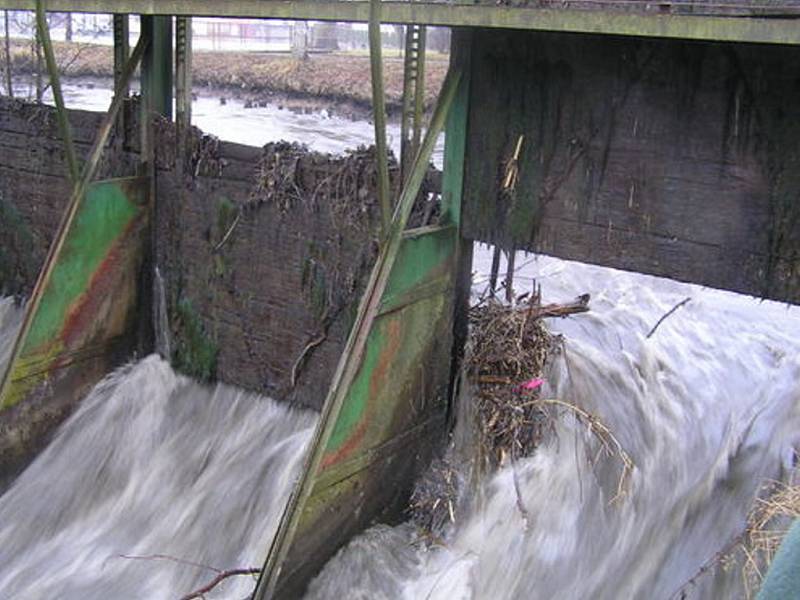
(667, 314)
(175, 559)
(228, 233)
(298, 364)
(221, 576)
(711, 563)
(580, 305)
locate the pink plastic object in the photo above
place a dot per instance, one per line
(532, 384)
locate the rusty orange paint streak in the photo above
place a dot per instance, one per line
(101, 286)
(377, 381)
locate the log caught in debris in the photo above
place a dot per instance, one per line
(580, 305)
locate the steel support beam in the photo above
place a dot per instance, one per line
(121, 49)
(157, 64)
(774, 30)
(413, 95)
(183, 74)
(379, 113)
(55, 84)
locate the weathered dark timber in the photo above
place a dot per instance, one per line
(673, 158)
(258, 298)
(262, 294)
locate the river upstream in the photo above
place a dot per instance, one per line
(708, 408)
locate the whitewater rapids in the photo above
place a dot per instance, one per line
(151, 463)
(708, 408)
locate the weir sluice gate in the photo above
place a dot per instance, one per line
(660, 143)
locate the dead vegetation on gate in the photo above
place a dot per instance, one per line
(750, 553)
(506, 357)
(289, 174)
(507, 347)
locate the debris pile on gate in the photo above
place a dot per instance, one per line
(504, 367)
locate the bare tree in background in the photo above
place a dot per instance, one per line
(68, 27)
(299, 40)
(23, 24)
(7, 48)
(38, 56)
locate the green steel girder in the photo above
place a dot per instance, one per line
(403, 314)
(157, 64)
(88, 290)
(731, 29)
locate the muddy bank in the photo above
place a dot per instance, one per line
(336, 82)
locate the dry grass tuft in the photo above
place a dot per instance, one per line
(767, 524)
(754, 548)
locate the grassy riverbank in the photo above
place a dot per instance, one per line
(333, 80)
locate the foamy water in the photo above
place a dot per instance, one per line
(707, 408)
(151, 463)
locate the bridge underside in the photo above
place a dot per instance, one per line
(736, 20)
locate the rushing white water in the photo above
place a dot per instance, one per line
(160, 318)
(708, 408)
(151, 463)
(10, 320)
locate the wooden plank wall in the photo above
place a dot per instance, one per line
(673, 158)
(278, 296)
(260, 301)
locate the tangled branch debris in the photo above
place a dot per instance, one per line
(508, 346)
(289, 173)
(505, 361)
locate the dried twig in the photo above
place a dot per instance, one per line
(228, 233)
(300, 361)
(667, 314)
(512, 167)
(221, 576)
(608, 441)
(175, 559)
